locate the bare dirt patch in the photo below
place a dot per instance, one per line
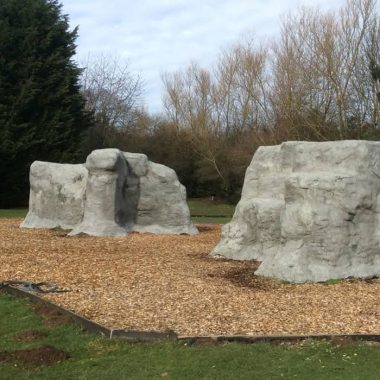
(29, 336)
(45, 355)
(166, 282)
(50, 316)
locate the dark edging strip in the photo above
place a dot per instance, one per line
(86, 324)
(277, 338)
(135, 336)
(90, 326)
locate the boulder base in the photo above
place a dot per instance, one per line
(113, 193)
(309, 212)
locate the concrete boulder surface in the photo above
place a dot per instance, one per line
(113, 193)
(309, 212)
(56, 195)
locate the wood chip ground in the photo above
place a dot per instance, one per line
(161, 282)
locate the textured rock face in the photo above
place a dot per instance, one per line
(161, 202)
(105, 205)
(309, 212)
(118, 192)
(56, 195)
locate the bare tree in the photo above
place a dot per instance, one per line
(217, 105)
(112, 92)
(319, 80)
(241, 88)
(321, 70)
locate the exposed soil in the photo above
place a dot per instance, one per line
(205, 342)
(29, 336)
(335, 342)
(45, 355)
(165, 282)
(342, 341)
(51, 317)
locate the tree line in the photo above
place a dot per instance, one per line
(318, 80)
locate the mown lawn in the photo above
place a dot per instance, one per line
(13, 213)
(202, 211)
(207, 211)
(92, 357)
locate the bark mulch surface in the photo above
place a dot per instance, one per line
(161, 282)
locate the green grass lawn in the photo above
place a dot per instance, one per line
(207, 211)
(202, 211)
(92, 357)
(13, 213)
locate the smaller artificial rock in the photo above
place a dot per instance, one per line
(113, 193)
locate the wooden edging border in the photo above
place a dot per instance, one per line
(249, 339)
(90, 326)
(135, 336)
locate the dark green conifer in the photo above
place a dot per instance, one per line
(42, 113)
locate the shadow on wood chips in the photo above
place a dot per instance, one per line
(205, 227)
(45, 355)
(245, 277)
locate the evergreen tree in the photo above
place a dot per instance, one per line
(42, 113)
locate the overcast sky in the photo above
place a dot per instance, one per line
(156, 36)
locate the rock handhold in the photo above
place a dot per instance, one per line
(309, 212)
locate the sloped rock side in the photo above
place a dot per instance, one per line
(309, 212)
(119, 192)
(160, 198)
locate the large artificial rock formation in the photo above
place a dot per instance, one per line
(309, 212)
(112, 194)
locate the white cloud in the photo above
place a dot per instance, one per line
(165, 35)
